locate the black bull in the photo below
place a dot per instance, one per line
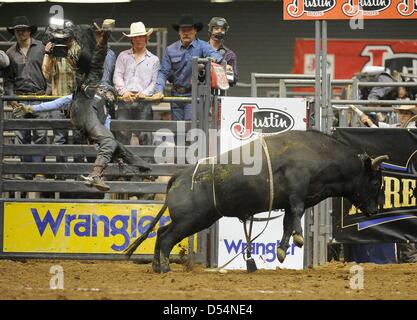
(307, 168)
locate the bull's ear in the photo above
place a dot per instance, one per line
(366, 160)
(367, 163)
(363, 156)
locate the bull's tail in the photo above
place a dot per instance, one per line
(135, 244)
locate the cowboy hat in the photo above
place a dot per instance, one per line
(138, 29)
(21, 22)
(187, 21)
(408, 107)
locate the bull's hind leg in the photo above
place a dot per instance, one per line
(297, 209)
(178, 231)
(156, 263)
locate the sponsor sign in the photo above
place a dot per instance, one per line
(397, 217)
(79, 227)
(348, 9)
(242, 119)
(347, 57)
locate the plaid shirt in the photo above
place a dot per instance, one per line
(61, 71)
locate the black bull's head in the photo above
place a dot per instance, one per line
(369, 195)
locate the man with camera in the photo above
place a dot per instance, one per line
(24, 77)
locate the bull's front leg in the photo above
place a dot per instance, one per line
(292, 227)
(297, 209)
(297, 237)
(284, 244)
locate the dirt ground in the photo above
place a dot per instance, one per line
(31, 279)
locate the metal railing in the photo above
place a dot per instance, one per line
(157, 42)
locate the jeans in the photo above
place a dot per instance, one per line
(181, 111)
(60, 135)
(32, 136)
(134, 111)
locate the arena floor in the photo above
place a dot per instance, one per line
(30, 279)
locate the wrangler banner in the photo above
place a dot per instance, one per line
(349, 9)
(396, 220)
(42, 227)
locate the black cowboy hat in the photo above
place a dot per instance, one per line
(187, 21)
(21, 22)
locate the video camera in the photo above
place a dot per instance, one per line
(60, 32)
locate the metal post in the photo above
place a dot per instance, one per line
(325, 127)
(253, 89)
(323, 75)
(158, 45)
(329, 105)
(194, 93)
(282, 89)
(207, 106)
(355, 96)
(317, 100)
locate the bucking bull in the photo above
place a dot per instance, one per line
(307, 167)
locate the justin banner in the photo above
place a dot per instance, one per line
(397, 217)
(349, 9)
(347, 57)
(242, 119)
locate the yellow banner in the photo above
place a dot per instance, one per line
(80, 227)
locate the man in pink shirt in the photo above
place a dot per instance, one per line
(134, 78)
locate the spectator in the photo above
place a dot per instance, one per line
(376, 74)
(59, 69)
(177, 65)
(217, 29)
(4, 60)
(4, 63)
(24, 77)
(88, 112)
(406, 115)
(135, 78)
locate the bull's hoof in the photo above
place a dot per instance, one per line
(281, 254)
(164, 269)
(156, 267)
(298, 240)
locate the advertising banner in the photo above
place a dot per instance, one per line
(396, 220)
(241, 119)
(347, 57)
(41, 227)
(349, 9)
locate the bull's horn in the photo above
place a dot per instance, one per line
(377, 161)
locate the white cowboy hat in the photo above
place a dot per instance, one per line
(406, 107)
(373, 70)
(138, 29)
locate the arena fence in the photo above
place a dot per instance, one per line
(62, 184)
